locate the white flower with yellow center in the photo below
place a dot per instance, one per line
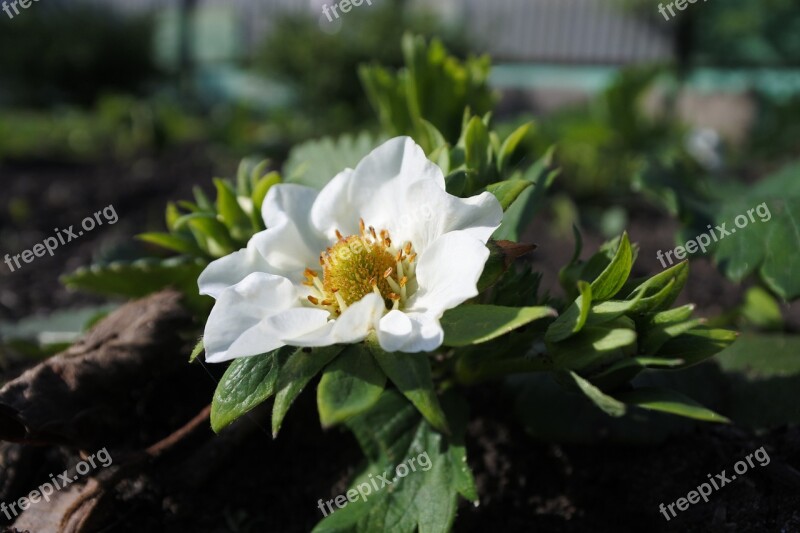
(382, 248)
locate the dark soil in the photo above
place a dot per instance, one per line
(274, 485)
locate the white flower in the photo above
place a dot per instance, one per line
(382, 248)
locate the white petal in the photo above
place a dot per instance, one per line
(231, 269)
(448, 273)
(352, 326)
(330, 212)
(359, 319)
(258, 314)
(240, 309)
(410, 332)
(394, 331)
(290, 244)
(286, 248)
(397, 188)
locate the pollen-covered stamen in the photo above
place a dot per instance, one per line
(361, 264)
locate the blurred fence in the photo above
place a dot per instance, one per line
(566, 31)
(557, 31)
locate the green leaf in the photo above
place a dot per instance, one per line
(477, 148)
(411, 374)
(519, 216)
(611, 280)
(508, 191)
(210, 233)
(203, 203)
(294, 375)
(474, 324)
(657, 336)
(607, 404)
(612, 309)
(261, 189)
(671, 316)
(171, 215)
(247, 382)
(232, 214)
(315, 163)
(142, 277)
(349, 386)
(772, 211)
(660, 291)
(197, 350)
(669, 401)
(697, 345)
(390, 434)
(510, 145)
(169, 241)
(593, 346)
(781, 260)
(574, 318)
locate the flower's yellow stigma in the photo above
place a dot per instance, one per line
(360, 264)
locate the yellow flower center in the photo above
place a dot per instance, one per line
(360, 264)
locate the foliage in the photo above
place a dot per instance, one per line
(433, 86)
(200, 231)
(763, 248)
(320, 64)
(742, 33)
(611, 146)
(120, 126)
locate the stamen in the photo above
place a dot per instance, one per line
(380, 266)
(393, 284)
(340, 301)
